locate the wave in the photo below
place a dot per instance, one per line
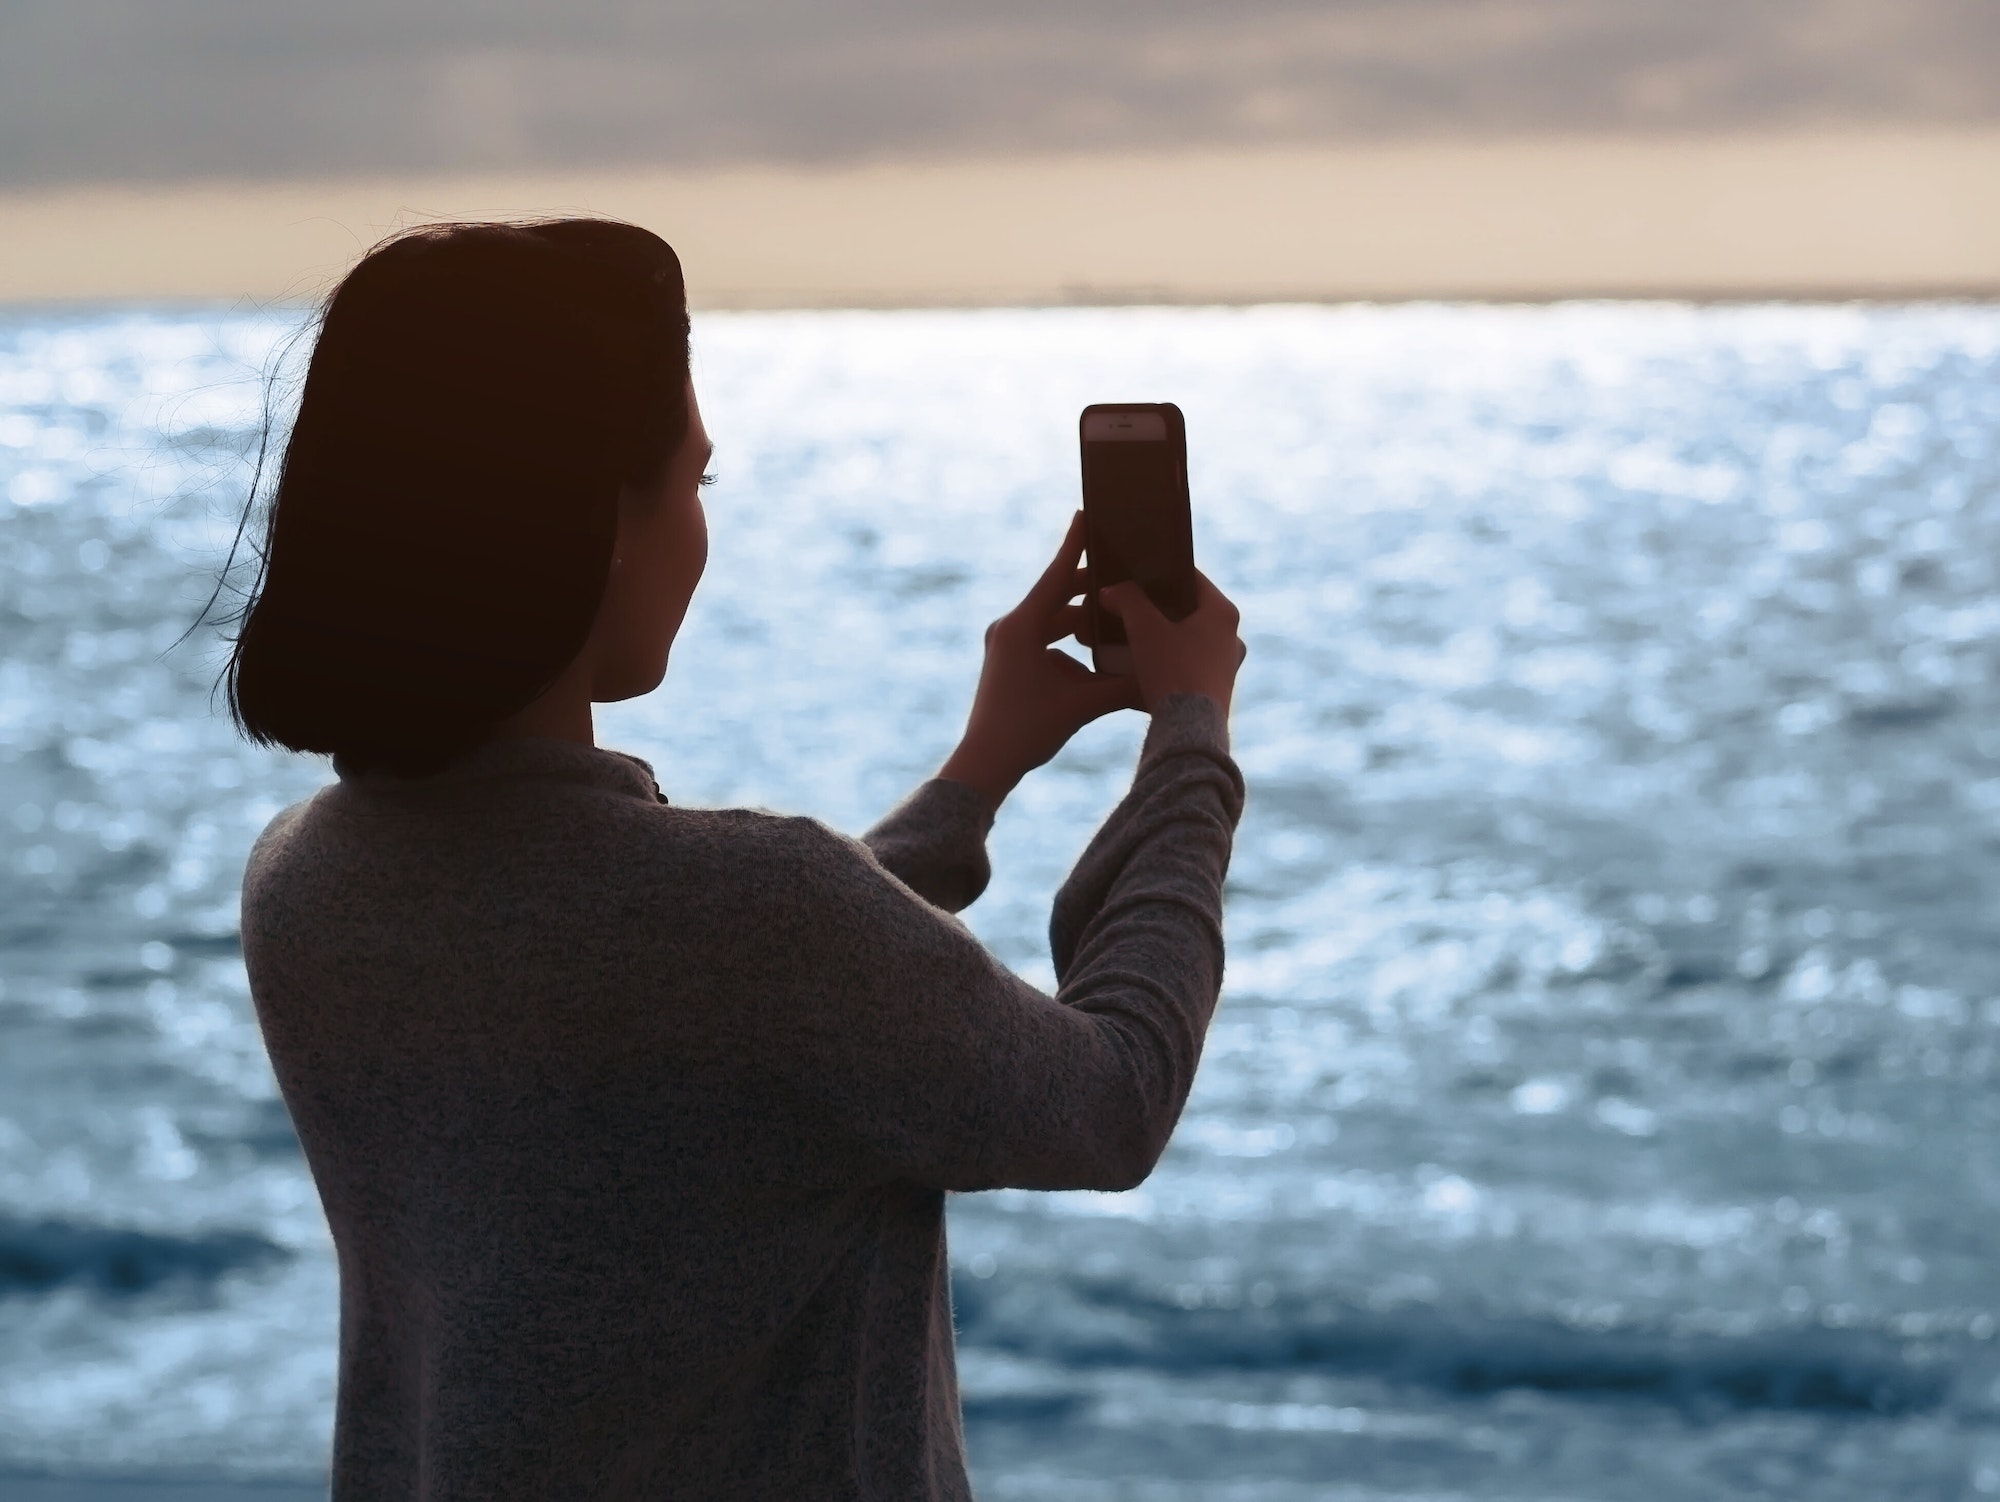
(39, 1256)
(1811, 1369)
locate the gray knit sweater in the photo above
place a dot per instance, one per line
(633, 1123)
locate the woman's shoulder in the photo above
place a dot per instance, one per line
(279, 836)
(797, 846)
(750, 860)
(288, 871)
(792, 870)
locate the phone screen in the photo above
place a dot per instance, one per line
(1136, 511)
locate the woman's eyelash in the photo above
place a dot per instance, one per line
(710, 478)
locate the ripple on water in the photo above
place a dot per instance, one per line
(1609, 1037)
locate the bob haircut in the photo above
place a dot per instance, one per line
(478, 398)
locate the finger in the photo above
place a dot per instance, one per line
(1097, 694)
(1107, 693)
(1067, 620)
(1068, 667)
(1062, 570)
(1128, 601)
(1206, 595)
(1035, 608)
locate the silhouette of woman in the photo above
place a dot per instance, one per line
(633, 1123)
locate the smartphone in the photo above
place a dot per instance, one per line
(1136, 519)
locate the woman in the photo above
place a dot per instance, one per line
(633, 1123)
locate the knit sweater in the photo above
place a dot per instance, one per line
(633, 1123)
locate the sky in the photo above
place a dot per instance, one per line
(163, 91)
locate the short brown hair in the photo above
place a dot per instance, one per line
(441, 528)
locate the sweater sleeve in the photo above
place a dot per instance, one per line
(902, 1035)
(934, 842)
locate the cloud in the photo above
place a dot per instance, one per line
(107, 90)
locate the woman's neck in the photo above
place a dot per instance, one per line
(562, 713)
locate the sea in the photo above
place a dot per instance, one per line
(1604, 1100)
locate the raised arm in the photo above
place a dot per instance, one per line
(940, 1065)
(1030, 700)
(934, 842)
(893, 1030)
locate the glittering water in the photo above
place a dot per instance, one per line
(1603, 1099)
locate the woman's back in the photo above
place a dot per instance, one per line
(633, 1124)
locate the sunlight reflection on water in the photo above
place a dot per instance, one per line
(1604, 1083)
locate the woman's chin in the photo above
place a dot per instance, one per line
(633, 685)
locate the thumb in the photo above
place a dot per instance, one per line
(1106, 693)
(1129, 601)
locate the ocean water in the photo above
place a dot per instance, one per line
(1605, 1098)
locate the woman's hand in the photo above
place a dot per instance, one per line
(1197, 654)
(1032, 698)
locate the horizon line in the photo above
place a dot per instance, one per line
(1832, 216)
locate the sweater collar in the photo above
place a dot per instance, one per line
(532, 757)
